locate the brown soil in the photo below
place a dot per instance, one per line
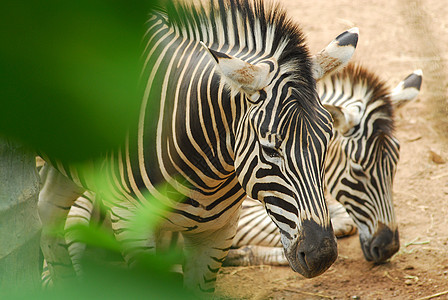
(396, 37)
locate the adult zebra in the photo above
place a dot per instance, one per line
(257, 240)
(360, 167)
(234, 86)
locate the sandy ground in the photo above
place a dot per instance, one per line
(396, 37)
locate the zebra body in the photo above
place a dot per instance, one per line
(359, 168)
(238, 113)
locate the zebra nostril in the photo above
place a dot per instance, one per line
(375, 251)
(302, 259)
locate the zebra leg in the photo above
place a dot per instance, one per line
(253, 255)
(46, 279)
(57, 195)
(134, 241)
(80, 214)
(205, 253)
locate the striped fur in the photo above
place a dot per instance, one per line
(360, 166)
(257, 236)
(217, 136)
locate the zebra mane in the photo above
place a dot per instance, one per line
(255, 27)
(376, 94)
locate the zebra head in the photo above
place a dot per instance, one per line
(281, 141)
(365, 153)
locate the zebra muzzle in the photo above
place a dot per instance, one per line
(382, 245)
(315, 251)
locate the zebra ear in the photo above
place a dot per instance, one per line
(336, 55)
(240, 74)
(407, 90)
(343, 119)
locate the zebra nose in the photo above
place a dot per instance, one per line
(316, 251)
(384, 243)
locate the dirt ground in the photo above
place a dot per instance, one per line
(396, 37)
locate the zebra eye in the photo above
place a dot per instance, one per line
(271, 152)
(257, 97)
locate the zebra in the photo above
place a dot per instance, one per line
(257, 240)
(238, 114)
(360, 167)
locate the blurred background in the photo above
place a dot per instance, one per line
(70, 73)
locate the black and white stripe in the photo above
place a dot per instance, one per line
(363, 157)
(229, 109)
(360, 167)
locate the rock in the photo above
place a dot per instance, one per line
(436, 158)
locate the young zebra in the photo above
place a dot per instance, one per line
(239, 115)
(360, 167)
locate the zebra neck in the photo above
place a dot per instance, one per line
(335, 164)
(187, 138)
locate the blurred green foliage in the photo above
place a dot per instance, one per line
(69, 87)
(105, 274)
(106, 277)
(69, 82)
